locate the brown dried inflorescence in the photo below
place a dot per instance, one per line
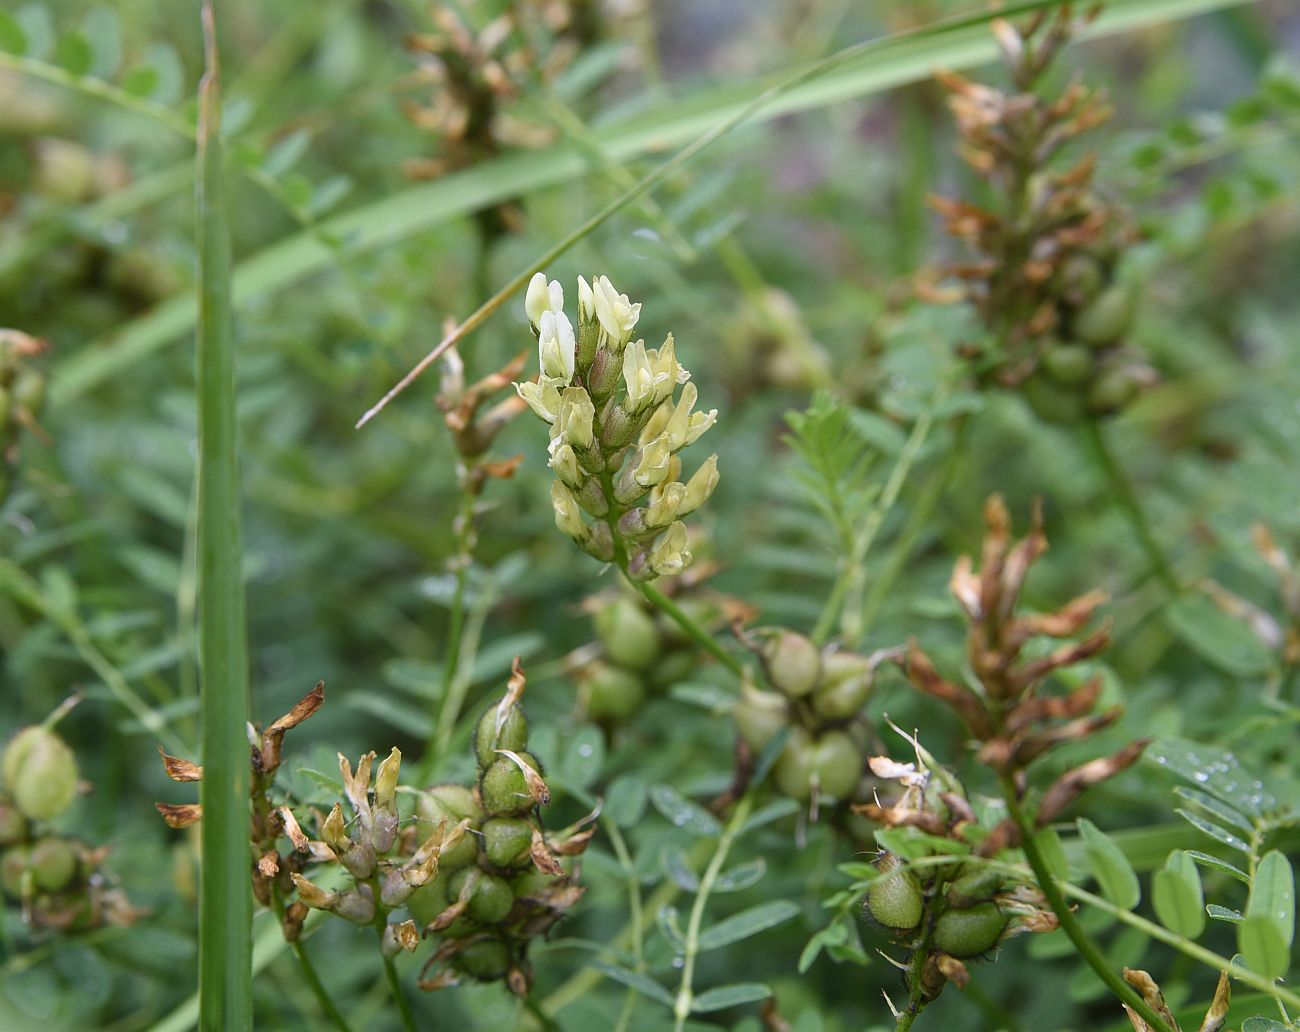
(1043, 273)
(1010, 717)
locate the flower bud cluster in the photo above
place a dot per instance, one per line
(617, 424)
(1045, 276)
(22, 395)
(501, 880)
(54, 877)
(819, 696)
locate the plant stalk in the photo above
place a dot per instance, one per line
(226, 908)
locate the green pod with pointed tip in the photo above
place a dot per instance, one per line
(486, 960)
(628, 634)
(505, 789)
(969, 931)
(513, 735)
(895, 899)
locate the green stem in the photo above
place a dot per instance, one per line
(309, 974)
(915, 986)
(1087, 949)
(918, 517)
(693, 630)
(1128, 501)
(682, 1006)
(450, 708)
(225, 909)
(399, 997)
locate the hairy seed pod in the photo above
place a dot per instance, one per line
(760, 716)
(54, 864)
(428, 901)
(40, 772)
(792, 661)
(1107, 317)
(1067, 364)
(613, 694)
(13, 866)
(831, 764)
(895, 898)
(978, 886)
(971, 931)
(628, 634)
(486, 960)
(505, 789)
(490, 898)
(1115, 387)
(487, 739)
(845, 685)
(1081, 277)
(506, 841)
(13, 828)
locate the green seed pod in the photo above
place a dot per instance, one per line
(13, 828)
(791, 661)
(1052, 402)
(40, 772)
(760, 716)
(969, 932)
(845, 685)
(29, 391)
(895, 900)
(506, 841)
(490, 899)
(531, 882)
(428, 901)
(832, 761)
(513, 735)
(13, 865)
(1115, 387)
(1067, 364)
(978, 886)
(454, 802)
(6, 407)
(487, 960)
(504, 787)
(54, 864)
(613, 694)
(1082, 276)
(628, 634)
(1107, 317)
(671, 667)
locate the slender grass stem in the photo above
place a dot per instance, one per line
(1123, 493)
(449, 709)
(685, 997)
(225, 909)
(693, 630)
(1083, 944)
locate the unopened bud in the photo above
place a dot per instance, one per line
(671, 552)
(701, 485)
(40, 772)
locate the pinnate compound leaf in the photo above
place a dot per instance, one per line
(730, 996)
(1115, 875)
(1178, 897)
(747, 923)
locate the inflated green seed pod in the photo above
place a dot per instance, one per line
(506, 841)
(895, 899)
(832, 762)
(428, 901)
(1067, 364)
(6, 408)
(40, 772)
(462, 928)
(490, 899)
(760, 716)
(28, 391)
(628, 634)
(1052, 402)
(978, 886)
(531, 882)
(792, 662)
(671, 667)
(454, 802)
(970, 931)
(845, 685)
(612, 693)
(13, 826)
(505, 789)
(487, 739)
(13, 866)
(54, 864)
(1107, 317)
(1115, 387)
(487, 960)
(1082, 275)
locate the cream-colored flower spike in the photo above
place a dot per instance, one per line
(617, 426)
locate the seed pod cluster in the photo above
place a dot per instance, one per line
(819, 696)
(1044, 274)
(501, 881)
(56, 878)
(22, 396)
(641, 652)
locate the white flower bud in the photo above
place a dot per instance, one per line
(671, 554)
(616, 313)
(700, 486)
(586, 301)
(542, 297)
(565, 463)
(665, 501)
(575, 418)
(567, 516)
(556, 346)
(543, 397)
(654, 465)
